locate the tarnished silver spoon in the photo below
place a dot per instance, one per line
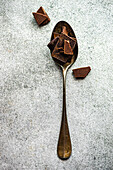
(64, 147)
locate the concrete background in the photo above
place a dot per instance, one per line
(31, 87)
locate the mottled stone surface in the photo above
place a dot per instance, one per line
(31, 86)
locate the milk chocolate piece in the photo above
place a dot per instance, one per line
(64, 30)
(81, 72)
(67, 48)
(71, 40)
(41, 17)
(52, 44)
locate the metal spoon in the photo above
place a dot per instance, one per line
(64, 148)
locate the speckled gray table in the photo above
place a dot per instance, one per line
(31, 86)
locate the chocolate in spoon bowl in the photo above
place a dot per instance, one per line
(64, 51)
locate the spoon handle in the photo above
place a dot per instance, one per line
(64, 143)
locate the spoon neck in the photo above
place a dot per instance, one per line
(64, 91)
(64, 75)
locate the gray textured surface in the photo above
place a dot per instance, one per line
(31, 87)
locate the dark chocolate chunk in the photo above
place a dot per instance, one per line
(52, 44)
(71, 40)
(81, 72)
(41, 17)
(67, 48)
(64, 30)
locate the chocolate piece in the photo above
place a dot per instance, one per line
(56, 34)
(64, 30)
(81, 72)
(56, 52)
(41, 10)
(61, 50)
(60, 43)
(67, 48)
(71, 40)
(52, 44)
(46, 21)
(60, 57)
(40, 17)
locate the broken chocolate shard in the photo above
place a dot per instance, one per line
(71, 40)
(67, 48)
(81, 72)
(52, 44)
(64, 30)
(40, 17)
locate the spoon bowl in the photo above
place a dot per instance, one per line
(64, 147)
(58, 29)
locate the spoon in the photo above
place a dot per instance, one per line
(64, 147)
